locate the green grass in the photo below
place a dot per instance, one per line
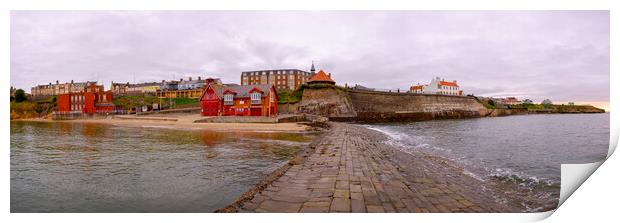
(127, 102)
(183, 101)
(286, 96)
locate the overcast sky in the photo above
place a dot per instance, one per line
(559, 55)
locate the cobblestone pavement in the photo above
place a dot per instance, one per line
(349, 173)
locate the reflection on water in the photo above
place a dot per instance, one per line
(73, 167)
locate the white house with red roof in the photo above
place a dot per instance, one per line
(438, 86)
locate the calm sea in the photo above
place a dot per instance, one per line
(73, 167)
(525, 150)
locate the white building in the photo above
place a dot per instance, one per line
(438, 86)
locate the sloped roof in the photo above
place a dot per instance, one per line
(320, 77)
(415, 87)
(243, 91)
(447, 83)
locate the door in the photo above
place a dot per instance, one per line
(209, 108)
(255, 112)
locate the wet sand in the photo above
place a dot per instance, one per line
(184, 122)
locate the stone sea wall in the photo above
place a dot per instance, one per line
(373, 106)
(288, 108)
(332, 102)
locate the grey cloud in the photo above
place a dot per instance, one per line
(562, 55)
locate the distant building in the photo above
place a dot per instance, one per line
(571, 103)
(127, 88)
(91, 99)
(239, 100)
(169, 85)
(281, 78)
(528, 101)
(13, 91)
(194, 84)
(510, 101)
(59, 88)
(437, 86)
(321, 78)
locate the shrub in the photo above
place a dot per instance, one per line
(20, 95)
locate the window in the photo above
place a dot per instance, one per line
(228, 99)
(255, 97)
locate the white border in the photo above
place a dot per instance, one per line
(599, 182)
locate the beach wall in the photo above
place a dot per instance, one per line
(373, 106)
(332, 102)
(288, 108)
(505, 112)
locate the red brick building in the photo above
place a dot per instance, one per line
(236, 100)
(93, 99)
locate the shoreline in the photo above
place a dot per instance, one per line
(183, 122)
(351, 169)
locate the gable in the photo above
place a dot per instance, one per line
(209, 93)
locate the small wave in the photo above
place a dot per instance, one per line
(473, 175)
(523, 180)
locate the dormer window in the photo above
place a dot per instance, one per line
(255, 97)
(228, 99)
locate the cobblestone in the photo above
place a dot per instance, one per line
(347, 173)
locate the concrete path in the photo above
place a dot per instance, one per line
(347, 173)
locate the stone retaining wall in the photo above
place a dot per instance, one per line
(373, 106)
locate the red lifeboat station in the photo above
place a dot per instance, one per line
(238, 100)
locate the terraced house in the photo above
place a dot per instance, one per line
(59, 88)
(127, 88)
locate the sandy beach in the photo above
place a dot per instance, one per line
(184, 122)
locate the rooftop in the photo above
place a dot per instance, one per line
(321, 76)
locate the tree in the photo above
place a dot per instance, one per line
(20, 95)
(546, 103)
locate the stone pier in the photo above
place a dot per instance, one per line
(350, 172)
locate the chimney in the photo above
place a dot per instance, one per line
(72, 81)
(56, 81)
(329, 75)
(163, 81)
(198, 77)
(190, 78)
(181, 80)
